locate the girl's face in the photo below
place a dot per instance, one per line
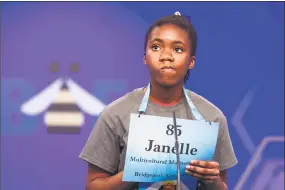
(168, 55)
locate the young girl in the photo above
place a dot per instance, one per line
(170, 49)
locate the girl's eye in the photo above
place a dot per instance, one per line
(178, 50)
(155, 48)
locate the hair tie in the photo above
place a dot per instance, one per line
(177, 13)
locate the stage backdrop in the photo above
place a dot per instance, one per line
(66, 52)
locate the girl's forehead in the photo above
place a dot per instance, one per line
(169, 32)
(168, 29)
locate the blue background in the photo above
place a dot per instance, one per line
(239, 67)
